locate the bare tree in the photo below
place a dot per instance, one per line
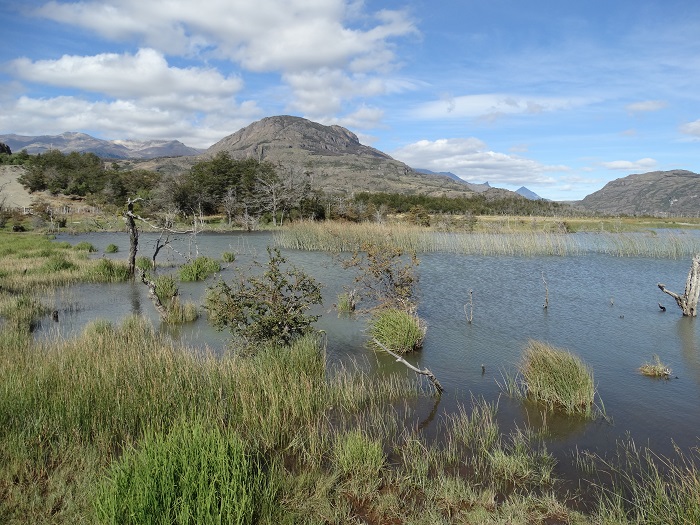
(688, 302)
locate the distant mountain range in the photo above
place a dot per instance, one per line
(110, 149)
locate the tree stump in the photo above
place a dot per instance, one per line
(688, 302)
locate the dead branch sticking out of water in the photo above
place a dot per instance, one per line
(425, 372)
(469, 315)
(688, 302)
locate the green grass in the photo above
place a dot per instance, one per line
(111, 248)
(555, 378)
(400, 331)
(199, 269)
(228, 257)
(85, 246)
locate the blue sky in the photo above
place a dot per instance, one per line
(559, 96)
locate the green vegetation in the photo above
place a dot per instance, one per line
(111, 248)
(555, 378)
(84, 246)
(167, 292)
(198, 269)
(228, 257)
(270, 307)
(398, 330)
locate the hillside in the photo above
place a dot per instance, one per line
(334, 155)
(675, 193)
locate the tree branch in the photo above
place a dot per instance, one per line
(425, 372)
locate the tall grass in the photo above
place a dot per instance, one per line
(199, 269)
(555, 378)
(398, 330)
(336, 237)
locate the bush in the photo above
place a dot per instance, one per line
(400, 331)
(199, 269)
(270, 307)
(195, 474)
(228, 257)
(111, 248)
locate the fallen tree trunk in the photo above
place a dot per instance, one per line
(160, 307)
(424, 372)
(688, 302)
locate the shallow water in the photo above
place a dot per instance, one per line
(603, 308)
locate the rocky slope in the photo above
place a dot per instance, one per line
(673, 193)
(334, 155)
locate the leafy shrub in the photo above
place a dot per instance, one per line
(398, 330)
(199, 269)
(270, 307)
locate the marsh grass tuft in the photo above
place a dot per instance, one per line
(111, 248)
(400, 331)
(556, 378)
(85, 246)
(199, 269)
(655, 369)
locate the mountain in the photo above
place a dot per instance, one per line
(528, 194)
(675, 193)
(472, 185)
(112, 149)
(334, 158)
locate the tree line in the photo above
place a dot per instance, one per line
(243, 191)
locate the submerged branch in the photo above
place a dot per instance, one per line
(424, 372)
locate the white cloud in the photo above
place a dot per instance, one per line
(124, 119)
(646, 106)
(470, 159)
(641, 164)
(143, 75)
(493, 105)
(691, 128)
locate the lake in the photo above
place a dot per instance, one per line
(602, 308)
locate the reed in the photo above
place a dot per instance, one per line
(400, 331)
(85, 246)
(655, 369)
(111, 248)
(336, 237)
(198, 269)
(557, 379)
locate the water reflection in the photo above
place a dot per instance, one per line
(690, 349)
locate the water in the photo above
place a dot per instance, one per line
(603, 308)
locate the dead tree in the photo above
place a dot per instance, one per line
(688, 302)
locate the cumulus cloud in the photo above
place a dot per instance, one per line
(691, 128)
(145, 74)
(646, 106)
(493, 105)
(641, 164)
(124, 119)
(470, 159)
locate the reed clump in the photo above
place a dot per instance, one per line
(555, 378)
(199, 269)
(655, 369)
(400, 331)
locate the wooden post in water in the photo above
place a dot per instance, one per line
(688, 302)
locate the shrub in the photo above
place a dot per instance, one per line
(111, 248)
(270, 307)
(199, 269)
(398, 330)
(195, 474)
(144, 263)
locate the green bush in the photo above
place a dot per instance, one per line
(109, 271)
(199, 269)
(111, 248)
(270, 307)
(398, 330)
(57, 263)
(228, 257)
(195, 474)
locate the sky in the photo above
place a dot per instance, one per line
(560, 96)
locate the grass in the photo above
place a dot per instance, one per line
(85, 246)
(346, 302)
(335, 237)
(555, 378)
(228, 257)
(655, 369)
(398, 330)
(111, 248)
(199, 269)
